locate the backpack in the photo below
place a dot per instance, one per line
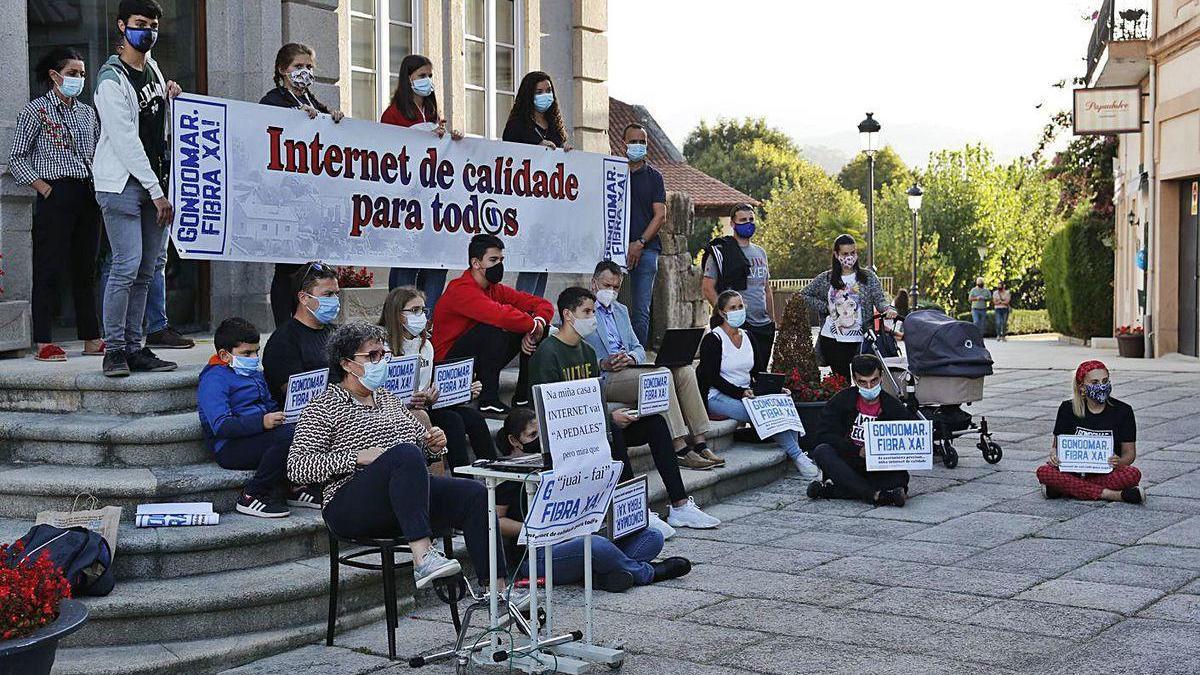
(733, 269)
(82, 556)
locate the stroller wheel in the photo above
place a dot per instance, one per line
(949, 455)
(991, 451)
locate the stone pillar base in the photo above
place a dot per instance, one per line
(14, 326)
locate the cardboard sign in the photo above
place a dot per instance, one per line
(772, 414)
(630, 511)
(453, 381)
(1085, 454)
(570, 504)
(302, 388)
(572, 423)
(654, 392)
(903, 445)
(402, 376)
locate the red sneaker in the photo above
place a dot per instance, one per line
(51, 352)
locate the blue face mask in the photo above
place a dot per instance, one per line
(71, 86)
(1098, 392)
(327, 309)
(423, 86)
(744, 230)
(244, 365)
(543, 101)
(636, 152)
(141, 39)
(736, 317)
(374, 374)
(871, 393)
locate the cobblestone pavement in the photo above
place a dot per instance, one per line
(977, 573)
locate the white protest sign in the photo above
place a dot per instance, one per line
(572, 421)
(630, 511)
(900, 445)
(772, 414)
(302, 388)
(654, 392)
(402, 376)
(1085, 454)
(453, 382)
(570, 504)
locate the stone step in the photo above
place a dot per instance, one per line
(97, 439)
(70, 389)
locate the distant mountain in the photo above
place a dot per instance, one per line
(831, 160)
(915, 142)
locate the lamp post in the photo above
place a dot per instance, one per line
(982, 250)
(914, 204)
(868, 135)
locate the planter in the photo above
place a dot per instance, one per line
(1131, 346)
(810, 415)
(34, 653)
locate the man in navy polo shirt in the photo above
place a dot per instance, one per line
(647, 211)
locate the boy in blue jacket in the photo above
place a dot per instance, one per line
(242, 423)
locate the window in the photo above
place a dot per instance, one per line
(491, 33)
(382, 33)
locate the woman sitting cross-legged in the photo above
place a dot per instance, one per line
(1092, 411)
(616, 566)
(369, 452)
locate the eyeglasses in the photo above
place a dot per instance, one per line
(375, 355)
(316, 265)
(415, 311)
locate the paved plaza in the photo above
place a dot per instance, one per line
(977, 574)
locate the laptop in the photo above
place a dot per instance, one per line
(678, 348)
(524, 464)
(766, 384)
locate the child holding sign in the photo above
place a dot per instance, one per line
(1092, 411)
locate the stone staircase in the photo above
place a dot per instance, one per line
(199, 599)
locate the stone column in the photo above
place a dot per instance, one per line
(16, 202)
(589, 52)
(677, 302)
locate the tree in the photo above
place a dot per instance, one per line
(745, 154)
(889, 170)
(801, 219)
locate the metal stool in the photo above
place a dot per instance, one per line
(450, 590)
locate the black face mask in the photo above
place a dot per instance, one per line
(533, 447)
(494, 273)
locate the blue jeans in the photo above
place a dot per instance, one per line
(721, 404)
(533, 283)
(978, 316)
(1001, 322)
(156, 294)
(642, 278)
(632, 554)
(431, 282)
(138, 254)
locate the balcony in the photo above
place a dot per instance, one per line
(1116, 55)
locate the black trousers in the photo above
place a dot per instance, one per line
(837, 355)
(265, 453)
(66, 238)
(652, 430)
(492, 349)
(763, 338)
(396, 495)
(850, 477)
(283, 293)
(466, 430)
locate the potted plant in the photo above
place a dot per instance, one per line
(360, 301)
(36, 611)
(1131, 341)
(796, 358)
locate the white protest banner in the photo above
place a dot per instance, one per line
(572, 422)
(453, 382)
(261, 183)
(1085, 454)
(402, 376)
(654, 392)
(630, 510)
(901, 445)
(772, 414)
(302, 388)
(570, 504)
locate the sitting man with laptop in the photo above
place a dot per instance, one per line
(566, 356)
(623, 361)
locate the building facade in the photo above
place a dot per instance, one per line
(480, 50)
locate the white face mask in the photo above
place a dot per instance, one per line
(415, 324)
(606, 296)
(585, 327)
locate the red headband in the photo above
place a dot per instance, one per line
(1086, 367)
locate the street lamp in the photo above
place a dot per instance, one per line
(868, 135)
(982, 251)
(914, 204)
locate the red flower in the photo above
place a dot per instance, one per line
(30, 592)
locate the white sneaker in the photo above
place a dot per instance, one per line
(690, 515)
(808, 470)
(664, 529)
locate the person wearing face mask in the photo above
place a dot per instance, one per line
(370, 454)
(243, 423)
(480, 317)
(734, 263)
(298, 346)
(978, 297)
(54, 142)
(1092, 411)
(647, 213)
(566, 356)
(728, 367)
(405, 319)
(535, 119)
(840, 436)
(846, 298)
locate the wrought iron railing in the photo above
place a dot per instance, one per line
(793, 285)
(1132, 23)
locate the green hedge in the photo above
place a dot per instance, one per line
(1020, 322)
(1078, 269)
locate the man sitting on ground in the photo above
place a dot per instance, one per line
(477, 316)
(566, 356)
(841, 452)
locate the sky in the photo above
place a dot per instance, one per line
(936, 73)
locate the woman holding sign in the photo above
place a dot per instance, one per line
(404, 317)
(1091, 412)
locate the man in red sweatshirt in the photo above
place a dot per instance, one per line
(477, 316)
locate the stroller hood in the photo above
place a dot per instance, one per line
(939, 345)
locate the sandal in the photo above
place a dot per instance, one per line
(51, 352)
(98, 352)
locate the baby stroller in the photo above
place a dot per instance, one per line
(944, 368)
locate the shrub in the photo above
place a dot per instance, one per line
(29, 592)
(1020, 322)
(794, 353)
(1078, 268)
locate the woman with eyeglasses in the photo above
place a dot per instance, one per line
(370, 455)
(298, 345)
(405, 318)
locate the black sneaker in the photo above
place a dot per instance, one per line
(671, 568)
(1134, 495)
(1049, 492)
(144, 361)
(816, 490)
(522, 403)
(493, 408)
(253, 506)
(617, 581)
(893, 497)
(304, 498)
(115, 363)
(169, 338)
